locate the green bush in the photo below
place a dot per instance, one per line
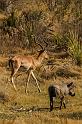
(3, 5)
(74, 48)
(11, 21)
(61, 42)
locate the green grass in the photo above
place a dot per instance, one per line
(75, 48)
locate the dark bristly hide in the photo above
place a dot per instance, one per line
(60, 91)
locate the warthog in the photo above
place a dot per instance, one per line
(61, 92)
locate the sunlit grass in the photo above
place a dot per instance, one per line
(75, 48)
(34, 107)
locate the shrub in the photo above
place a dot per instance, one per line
(11, 21)
(74, 48)
(3, 5)
(61, 42)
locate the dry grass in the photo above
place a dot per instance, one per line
(2, 16)
(33, 108)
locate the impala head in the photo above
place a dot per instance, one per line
(43, 51)
(45, 54)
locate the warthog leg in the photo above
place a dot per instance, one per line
(51, 103)
(62, 101)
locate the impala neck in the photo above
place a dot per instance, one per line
(40, 58)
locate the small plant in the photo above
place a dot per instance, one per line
(61, 42)
(11, 21)
(74, 48)
(2, 5)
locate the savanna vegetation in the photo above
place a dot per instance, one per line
(57, 26)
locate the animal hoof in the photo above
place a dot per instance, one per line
(15, 89)
(60, 108)
(51, 109)
(39, 90)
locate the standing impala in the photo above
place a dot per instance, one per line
(30, 63)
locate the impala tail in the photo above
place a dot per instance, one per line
(11, 63)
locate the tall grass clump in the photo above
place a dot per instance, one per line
(61, 42)
(2, 5)
(75, 48)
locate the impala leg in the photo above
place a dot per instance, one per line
(27, 82)
(12, 80)
(7, 83)
(36, 81)
(12, 77)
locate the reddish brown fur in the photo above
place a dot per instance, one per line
(29, 62)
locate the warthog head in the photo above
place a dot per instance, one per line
(71, 87)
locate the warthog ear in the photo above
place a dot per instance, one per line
(68, 85)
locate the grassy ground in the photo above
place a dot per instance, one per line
(33, 108)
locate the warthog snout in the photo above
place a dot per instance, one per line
(71, 94)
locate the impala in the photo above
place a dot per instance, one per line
(30, 63)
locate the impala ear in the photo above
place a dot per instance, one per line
(70, 84)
